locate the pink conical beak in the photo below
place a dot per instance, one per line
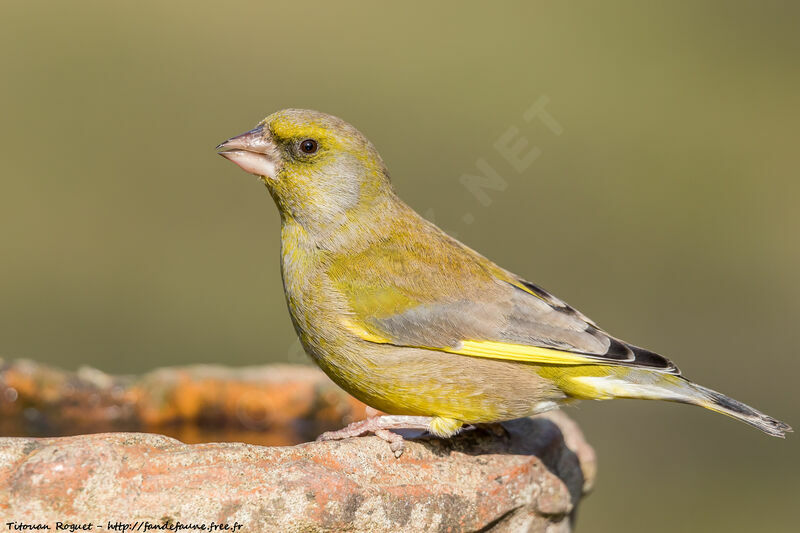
(253, 151)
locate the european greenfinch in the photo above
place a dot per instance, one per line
(414, 323)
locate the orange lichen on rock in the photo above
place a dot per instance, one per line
(273, 403)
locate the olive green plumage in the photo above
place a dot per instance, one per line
(413, 322)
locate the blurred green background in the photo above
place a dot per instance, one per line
(667, 209)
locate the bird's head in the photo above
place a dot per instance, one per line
(318, 168)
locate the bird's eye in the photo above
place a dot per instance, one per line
(308, 146)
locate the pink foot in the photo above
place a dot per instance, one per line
(380, 426)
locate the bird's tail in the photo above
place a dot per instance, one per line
(720, 403)
(647, 384)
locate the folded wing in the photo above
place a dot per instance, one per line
(510, 320)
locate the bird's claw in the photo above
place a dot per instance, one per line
(370, 425)
(380, 426)
(396, 442)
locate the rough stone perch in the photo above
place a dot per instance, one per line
(528, 480)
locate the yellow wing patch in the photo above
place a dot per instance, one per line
(521, 352)
(490, 349)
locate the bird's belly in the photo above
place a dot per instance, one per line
(411, 381)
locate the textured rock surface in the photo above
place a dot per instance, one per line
(529, 479)
(526, 481)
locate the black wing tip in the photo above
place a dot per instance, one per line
(648, 359)
(618, 352)
(625, 353)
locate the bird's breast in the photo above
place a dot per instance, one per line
(314, 304)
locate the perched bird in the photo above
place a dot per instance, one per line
(414, 323)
